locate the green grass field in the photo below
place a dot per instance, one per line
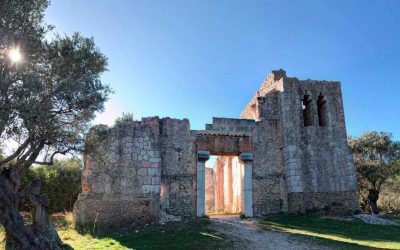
(335, 233)
(191, 234)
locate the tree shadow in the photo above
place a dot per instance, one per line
(352, 234)
(187, 234)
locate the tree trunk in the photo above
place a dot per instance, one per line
(40, 235)
(373, 196)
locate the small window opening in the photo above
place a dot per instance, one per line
(306, 106)
(322, 116)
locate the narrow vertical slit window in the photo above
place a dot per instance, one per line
(306, 106)
(322, 116)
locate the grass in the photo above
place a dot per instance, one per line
(190, 234)
(336, 233)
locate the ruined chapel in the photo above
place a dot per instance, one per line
(288, 151)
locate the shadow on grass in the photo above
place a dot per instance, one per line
(188, 234)
(346, 234)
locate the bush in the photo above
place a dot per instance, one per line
(126, 117)
(61, 183)
(389, 198)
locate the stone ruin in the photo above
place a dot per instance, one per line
(287, 152)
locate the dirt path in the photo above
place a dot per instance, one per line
(250, 236)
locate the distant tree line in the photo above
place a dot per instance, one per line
(61, 183)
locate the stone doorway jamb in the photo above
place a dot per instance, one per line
(202, 157)
(247, 187)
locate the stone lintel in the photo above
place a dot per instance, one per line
(246, 157)
(203, 156)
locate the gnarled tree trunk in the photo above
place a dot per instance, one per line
(41, 234)
(373, 196)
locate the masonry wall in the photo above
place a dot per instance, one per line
(268, 194)
(121, 177)
(178, 181)
(269, 187)
(317, 157)
(313, 163)
(134, 169)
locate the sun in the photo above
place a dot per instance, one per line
(15, 55)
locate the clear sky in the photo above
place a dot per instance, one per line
(199, 59)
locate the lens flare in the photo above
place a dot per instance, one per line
(15, 55)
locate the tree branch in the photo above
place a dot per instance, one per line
(17, 152)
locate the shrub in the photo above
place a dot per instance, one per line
(389, 199)
(61, 183)
(126, 117)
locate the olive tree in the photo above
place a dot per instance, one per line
(49, 92)
(377, 158)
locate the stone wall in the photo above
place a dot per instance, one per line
(123, 169)
(342, 202)
(292, 131)
(317, 158)
(310, 159)
(178, 180)
(106, 214)
(268, 194)
(264, 101)
(134, 167)
(246, 126)
(269, 188)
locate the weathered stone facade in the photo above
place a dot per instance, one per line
(290, 139)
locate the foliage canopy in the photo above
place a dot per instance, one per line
(47, 100)
(377, 158)
(61, 183)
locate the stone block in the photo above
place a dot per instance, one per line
(155, 160)
(153, 171)
(146, 179)
(296, 189)
(142, 172)
(246, 157)
(107, 188)
(155, 180)
(149, 189)
(203, 155)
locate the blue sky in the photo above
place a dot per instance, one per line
(199, 59)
